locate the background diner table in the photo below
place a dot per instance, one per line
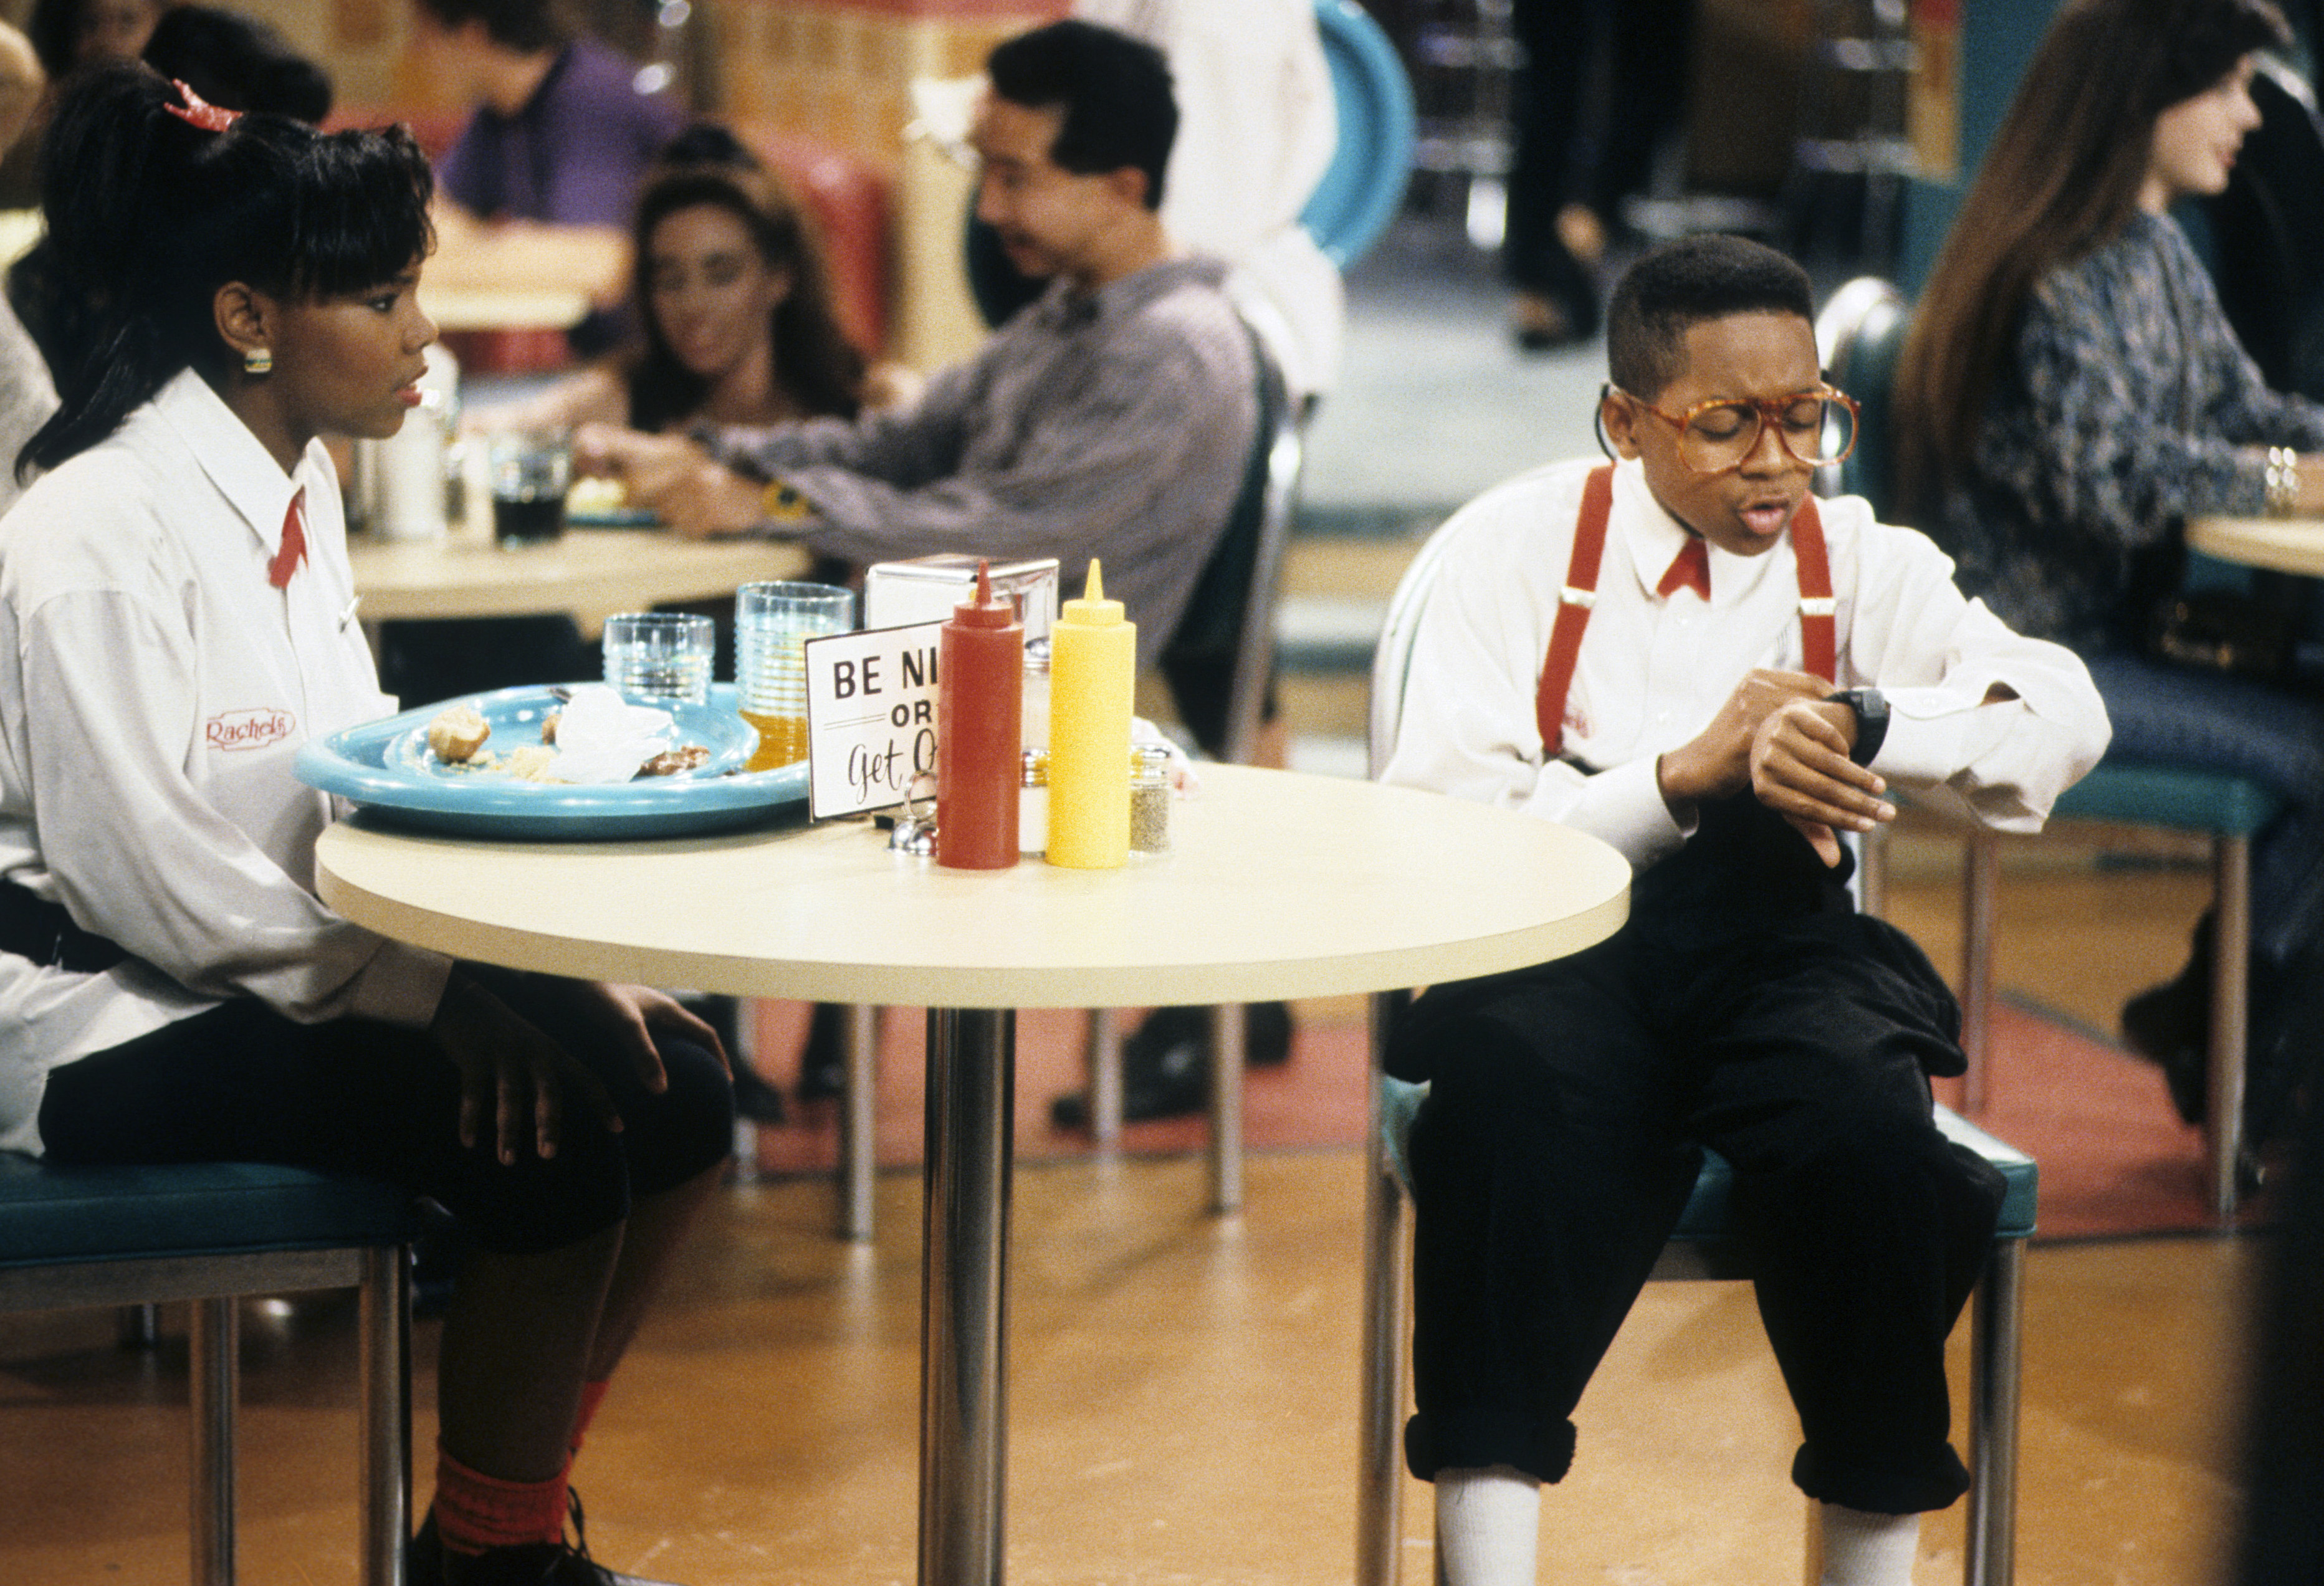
(590, 573)
(2285, 545)
(1276, 885)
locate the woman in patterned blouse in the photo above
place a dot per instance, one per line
(2071, 393)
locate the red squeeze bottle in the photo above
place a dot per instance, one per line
(980, 722)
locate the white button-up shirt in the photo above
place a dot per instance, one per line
(1653, 671)
(153, 689)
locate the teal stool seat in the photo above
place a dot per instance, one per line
(51, 1215)
(211, 1233)
(2181, 797)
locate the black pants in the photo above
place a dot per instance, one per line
(1559, 1142)
(243, 1083)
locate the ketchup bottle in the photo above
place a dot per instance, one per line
(980, 704)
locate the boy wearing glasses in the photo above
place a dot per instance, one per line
(1686, 654)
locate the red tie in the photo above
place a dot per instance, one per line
(294, 542)
(1690, 569)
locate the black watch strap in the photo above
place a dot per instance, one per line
(1871, 708)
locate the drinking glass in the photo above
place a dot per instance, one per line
(772, 623)
(531, 470)
(661, 655)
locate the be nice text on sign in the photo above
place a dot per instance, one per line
(871, 716)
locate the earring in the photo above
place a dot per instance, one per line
(258, 361)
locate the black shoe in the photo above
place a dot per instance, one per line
(1265, 1036)
(2170, 1026)
(544, 1564)
(1165, 1063)
(823, 1061)
(754, 1097)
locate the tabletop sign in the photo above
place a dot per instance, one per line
(871, 716)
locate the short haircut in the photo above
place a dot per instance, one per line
(1677, 286)
(527, 26)
(1115, 89)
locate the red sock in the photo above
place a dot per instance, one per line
(593, 1394)
(475, 1512)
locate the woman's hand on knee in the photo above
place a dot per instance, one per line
(635, 1012)
(504, 1062)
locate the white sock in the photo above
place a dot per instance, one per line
(1487, 1521)
(1862, 1549)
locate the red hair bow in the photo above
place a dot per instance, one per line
(200, 113)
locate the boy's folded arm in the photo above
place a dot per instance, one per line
(2009, 728)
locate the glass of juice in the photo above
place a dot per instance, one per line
(531, 469)
(772, 623)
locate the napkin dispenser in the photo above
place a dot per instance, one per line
(924, 589)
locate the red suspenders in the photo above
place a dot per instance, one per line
(1818, 635)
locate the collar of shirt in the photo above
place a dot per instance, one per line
(1063, 307)
(1654, 537)
(244, 471)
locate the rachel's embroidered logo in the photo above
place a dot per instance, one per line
(248, 729)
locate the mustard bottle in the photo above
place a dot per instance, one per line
(1092, 675)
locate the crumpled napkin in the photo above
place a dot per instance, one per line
(603, 738)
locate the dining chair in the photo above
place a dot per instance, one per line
(212, 1233)
(1700, 1247)
(1859, 337)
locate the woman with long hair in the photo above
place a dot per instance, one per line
(2071, 393)
(175, 621)
(733, 304)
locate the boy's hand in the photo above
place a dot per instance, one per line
(1800, 769)
(1718, 762)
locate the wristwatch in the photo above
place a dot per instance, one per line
(1871, 708)
(782, 504)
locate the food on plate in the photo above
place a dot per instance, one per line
(533, 762)
(456, 733)
(597, 498)
(549, 725)
(686, 757)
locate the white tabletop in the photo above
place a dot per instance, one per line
(589, 572)
(1278, 885)
(2287, 545)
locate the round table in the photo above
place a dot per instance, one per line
(590, 573)
(1276, 885)
(2287, 545)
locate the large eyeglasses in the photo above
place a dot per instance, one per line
(1817, 428)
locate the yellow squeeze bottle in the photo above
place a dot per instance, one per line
(1092, 673)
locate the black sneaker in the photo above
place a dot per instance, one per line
(823, 1061)
(1165, 1063)
(545, 1563)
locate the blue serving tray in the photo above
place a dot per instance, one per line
(384, 767)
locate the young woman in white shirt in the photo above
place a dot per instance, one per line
(175, 619)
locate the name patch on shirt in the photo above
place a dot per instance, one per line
(248, 729)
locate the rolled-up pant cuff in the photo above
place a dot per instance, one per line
(1471, 1440)
(1933, 1482)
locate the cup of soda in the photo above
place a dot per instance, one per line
(531, 469)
